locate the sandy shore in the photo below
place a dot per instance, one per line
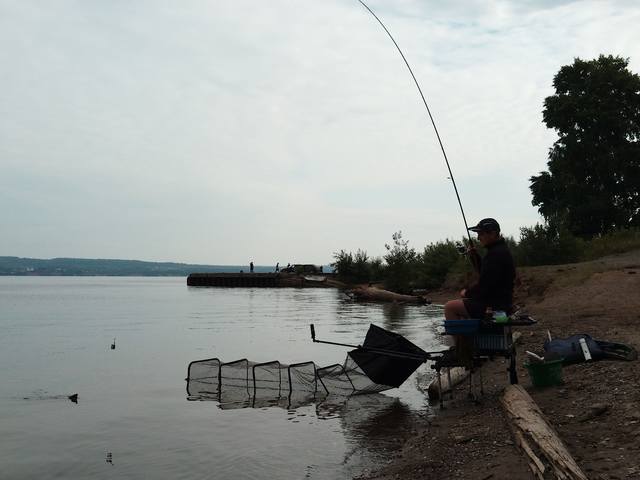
(471, 440)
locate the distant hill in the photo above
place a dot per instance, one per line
(104, 267)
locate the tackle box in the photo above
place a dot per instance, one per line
(461, 327)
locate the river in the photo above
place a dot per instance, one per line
(133, 418)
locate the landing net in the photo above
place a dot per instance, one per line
(242, 381)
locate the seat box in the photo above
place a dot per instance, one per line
(461, 327)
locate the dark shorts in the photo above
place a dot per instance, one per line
(477, 309)
(474, 308)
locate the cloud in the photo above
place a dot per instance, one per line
(210, 132)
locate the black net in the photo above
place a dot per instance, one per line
(243, 383)
(386, 357)
(385, 361)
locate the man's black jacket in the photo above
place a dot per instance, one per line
(497, 274)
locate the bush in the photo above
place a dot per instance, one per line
(354, 268)
(546, 245)
(402, 265)
(436, 261)
(377, 269)
(618, 241)
(403, 269)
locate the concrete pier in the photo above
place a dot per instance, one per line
(265, 280)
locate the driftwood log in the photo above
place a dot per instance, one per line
(380, 295)
(548, 457)
(457, 374)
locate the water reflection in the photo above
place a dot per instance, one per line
(407, 320)
(395, 315)
(366, 416)
(374, 421)
(232, 398)
(132, 406)
(370, 423)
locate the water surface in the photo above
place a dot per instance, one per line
(133, 419)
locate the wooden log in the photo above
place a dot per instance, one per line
(535, 464)
(457, 374)
(537, 438)
(380, 295)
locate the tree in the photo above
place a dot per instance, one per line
(592, 183)
(436, 262)
(401, 264)
(547, 245)
(356, 268)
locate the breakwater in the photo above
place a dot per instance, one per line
(264, 280)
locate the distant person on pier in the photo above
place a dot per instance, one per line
(250, 267)
(277, 267)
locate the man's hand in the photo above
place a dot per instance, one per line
(473, 256)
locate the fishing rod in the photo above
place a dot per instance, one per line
(455, 187)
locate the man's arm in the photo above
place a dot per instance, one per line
(474, 257)
(489, 277)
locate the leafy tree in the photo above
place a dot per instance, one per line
(354, 268)
(361, 267)
(343, 264)
(377, 268)
(591, 186)
(436, 261)
(547, 245)
(401, 264)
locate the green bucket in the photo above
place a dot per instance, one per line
(545, 374)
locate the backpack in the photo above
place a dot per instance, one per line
(570, 350)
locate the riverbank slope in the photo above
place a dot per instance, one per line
(596, 412)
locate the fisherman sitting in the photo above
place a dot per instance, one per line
(494, 289)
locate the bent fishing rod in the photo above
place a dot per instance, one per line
(455, 187)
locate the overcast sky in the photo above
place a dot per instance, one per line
(225, 131)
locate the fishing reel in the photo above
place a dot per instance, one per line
(461, 248)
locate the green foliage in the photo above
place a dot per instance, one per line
(361, 265)
(377, 269)
(357, 268)
(436, 261)
(403, 269)
(402, 263)
(591, 187)
(546, 245)
(619, 241)
(343, 264)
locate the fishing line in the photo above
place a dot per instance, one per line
(455, 188)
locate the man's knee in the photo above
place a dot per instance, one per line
(451, 309)
(455, 309)
(448, 307)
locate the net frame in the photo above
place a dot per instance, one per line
(264, 380)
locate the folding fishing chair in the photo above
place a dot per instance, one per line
(479, 341)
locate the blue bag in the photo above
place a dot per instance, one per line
(570, 350)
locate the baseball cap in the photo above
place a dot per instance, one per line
(486, 225)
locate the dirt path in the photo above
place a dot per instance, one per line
(596, 412)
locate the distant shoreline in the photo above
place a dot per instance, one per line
(88, 275)
(82, 267)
